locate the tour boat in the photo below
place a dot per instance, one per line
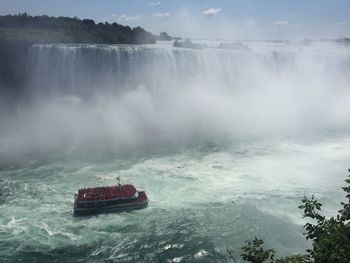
(107, 199)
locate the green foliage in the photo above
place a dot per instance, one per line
(255, 253)
(311, 206)
(295, 259)
(188, 44)
(345, 212)
(331, 237)
(66, 29)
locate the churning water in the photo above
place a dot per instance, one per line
(225, 142)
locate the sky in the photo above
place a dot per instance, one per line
(206, 19)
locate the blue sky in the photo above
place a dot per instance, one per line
(247, 19)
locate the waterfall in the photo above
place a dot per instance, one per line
(84, 70)
(136, 95)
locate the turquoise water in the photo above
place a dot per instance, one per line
(201, 201)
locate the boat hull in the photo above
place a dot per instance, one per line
(114, 208)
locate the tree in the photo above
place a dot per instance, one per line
(295, 259)
(89, 22)
(67, 29)
(331, 237)
(255, 253)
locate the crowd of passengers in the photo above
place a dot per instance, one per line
(106, 192)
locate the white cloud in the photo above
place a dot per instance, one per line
(128, 18)
(340, 23)
(161, 14)
(212, 11)
(154, 3)
(281, 23)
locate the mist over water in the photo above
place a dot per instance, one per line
(134, 95)
(225, 142)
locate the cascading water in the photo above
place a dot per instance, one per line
(226, 143)
(146, 94)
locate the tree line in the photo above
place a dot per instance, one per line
(67, 29)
